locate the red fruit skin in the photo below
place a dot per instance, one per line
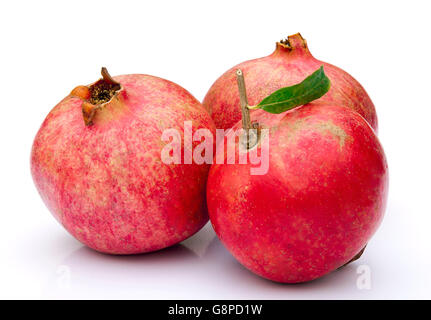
(286, 66)
(322, 199)
(106, 184)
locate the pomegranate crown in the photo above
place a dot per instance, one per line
(96, 95)
(294, 41)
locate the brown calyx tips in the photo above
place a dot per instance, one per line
(285, 42)
(107, 77)
(103, 90)
(88, 112)
(81, 92)
(293, 41)
(96, 95)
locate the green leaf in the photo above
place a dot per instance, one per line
(312, 88)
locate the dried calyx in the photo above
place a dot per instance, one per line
(96, 95)
(103, 90)
(285, 42)
(293, 41)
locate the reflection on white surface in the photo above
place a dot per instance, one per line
(198, 268)
(46, 262)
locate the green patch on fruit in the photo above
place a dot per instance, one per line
(324, 128)
(335, 131)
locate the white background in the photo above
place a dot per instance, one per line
(47, 48)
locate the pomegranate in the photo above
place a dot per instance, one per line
(317, 204)
(97, 164)
(288, 64)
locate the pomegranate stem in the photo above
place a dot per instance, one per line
(246, 123)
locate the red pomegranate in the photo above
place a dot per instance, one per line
(320, 200)
(290, 63)
(96, 162)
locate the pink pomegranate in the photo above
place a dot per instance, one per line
(96, 162)
(320, 201)
(289, 64)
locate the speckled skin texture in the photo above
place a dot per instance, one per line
(106, 184)
(284, 67)
(322, 199)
